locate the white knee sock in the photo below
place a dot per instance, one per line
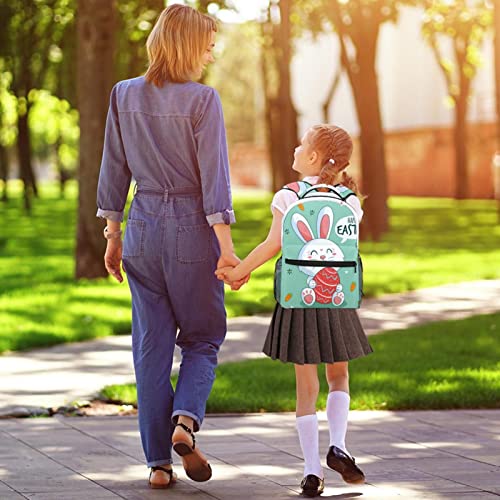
(307, 427)
(337, 412)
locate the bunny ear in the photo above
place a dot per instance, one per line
(301, 228)
(325, 222)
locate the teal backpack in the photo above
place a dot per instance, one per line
(320, 266)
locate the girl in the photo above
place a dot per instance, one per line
(333, 336)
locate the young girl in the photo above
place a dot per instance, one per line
(307, 337)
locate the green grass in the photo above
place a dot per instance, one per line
(432, 242)
(448, 364)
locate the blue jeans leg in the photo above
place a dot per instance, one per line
(153, 341)
(196, 377)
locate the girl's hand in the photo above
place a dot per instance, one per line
(113, 258)
(236, 285)
(228, 274)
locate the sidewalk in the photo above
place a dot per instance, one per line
(58, 375)
(408, 455)
(415, 455)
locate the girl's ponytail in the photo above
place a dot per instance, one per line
(350, 183)
(334, 145)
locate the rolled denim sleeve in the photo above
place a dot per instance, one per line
(211, 144)
(114, 176)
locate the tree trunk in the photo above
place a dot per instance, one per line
(24, 156)
(364, 84)
(376, 214)
(496, 31)
(4, 171)
(63, 174)
(95, 28)
(460, 131)
(331, 93)
(281, 116)
(460, 145)
(269, 112)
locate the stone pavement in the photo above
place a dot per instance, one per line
(408, 455)
(58, 375)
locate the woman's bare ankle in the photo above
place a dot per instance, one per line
(187, 421)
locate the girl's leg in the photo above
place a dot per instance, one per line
(337, 405)
(307, 385)
(337, 411)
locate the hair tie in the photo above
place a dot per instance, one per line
(332, 161)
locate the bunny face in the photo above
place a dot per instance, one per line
(316, 249)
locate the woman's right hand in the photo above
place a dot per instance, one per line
(113, 258)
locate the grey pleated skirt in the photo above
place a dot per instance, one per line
(313, 336)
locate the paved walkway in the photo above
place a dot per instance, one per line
(408, 455)
(58, 375)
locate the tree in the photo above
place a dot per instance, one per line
(357, 25)
(240, 94)
(464, 24)
(33, 30)
(496, 31)
(280, 113)
(135, 21)
(96, 23)
(8, 120)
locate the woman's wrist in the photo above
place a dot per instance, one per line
(114, 242)
(227, 252)
(223, 233)
(110, 234)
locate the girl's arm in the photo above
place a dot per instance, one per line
(259, 255)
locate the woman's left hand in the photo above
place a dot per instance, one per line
(231, 260)
(113, 258)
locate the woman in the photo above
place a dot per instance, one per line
(167, 132)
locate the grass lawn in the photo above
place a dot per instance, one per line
(449, 364)
(432, 241)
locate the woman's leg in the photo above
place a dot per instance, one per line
(307, 385)
(197, 299)
(337, 405)
(153, 342)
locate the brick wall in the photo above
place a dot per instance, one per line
(419, 162)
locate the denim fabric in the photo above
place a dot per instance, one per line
(169, 254)
(165, 137)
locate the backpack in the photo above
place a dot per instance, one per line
(320, 266)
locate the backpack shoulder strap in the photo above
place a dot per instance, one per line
(345, 193)
(298, 187)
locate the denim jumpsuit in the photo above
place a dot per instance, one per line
(172, 141)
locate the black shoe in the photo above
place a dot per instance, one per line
(345, 465)
(312, 486)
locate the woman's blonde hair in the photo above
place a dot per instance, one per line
(334, 146)
(177, 43)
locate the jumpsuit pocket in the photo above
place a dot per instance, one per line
(133, 243)
(193, 243)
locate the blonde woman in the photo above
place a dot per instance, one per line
(167, 132)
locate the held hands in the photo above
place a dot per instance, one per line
(113, 258)
(225, 271)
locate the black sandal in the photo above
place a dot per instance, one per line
(195, 464)
(162, 486)
(182, 448)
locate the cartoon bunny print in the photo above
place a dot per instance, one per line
(323, 283)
